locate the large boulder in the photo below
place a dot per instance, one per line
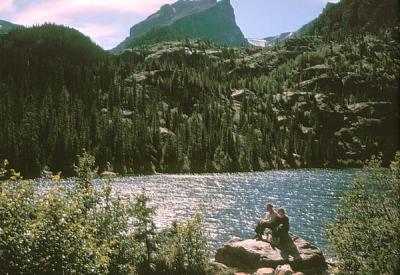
(253, 254)
(265, 271)
(290, 98)
(284, 270)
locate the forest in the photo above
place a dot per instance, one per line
(192, 106)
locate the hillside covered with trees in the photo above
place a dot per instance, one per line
(194, 106)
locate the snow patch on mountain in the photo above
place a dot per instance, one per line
(257, 42)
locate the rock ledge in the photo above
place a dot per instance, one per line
(251, 255)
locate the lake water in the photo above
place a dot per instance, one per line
(232, 204)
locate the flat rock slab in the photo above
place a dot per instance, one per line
(265, 271)
(253, 254)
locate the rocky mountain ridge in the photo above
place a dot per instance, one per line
(205, 19)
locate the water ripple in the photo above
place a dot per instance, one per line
(232, 203)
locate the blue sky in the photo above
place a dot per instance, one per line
(108, 21)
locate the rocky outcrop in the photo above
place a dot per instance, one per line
(205, 19)
(357, 131)
(165, 132)
(372, 109)
(146, 75)
(323, 82)
(240, 94)
(252, 255)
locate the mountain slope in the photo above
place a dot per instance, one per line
(205, 19)
(6, 27)
(272, 40)
(42, 70)
(307, 27)
(353, 17)
(52, 40)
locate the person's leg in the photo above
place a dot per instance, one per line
(275, 233)
(260, 228)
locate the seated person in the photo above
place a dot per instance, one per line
(281, 231)
(268, 222)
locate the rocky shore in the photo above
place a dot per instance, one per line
(259, 257)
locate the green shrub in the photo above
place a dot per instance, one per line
(366, 235)
(184, 250)
(83, 229)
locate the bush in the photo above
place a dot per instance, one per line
(184, 250)
(83, 229)
(366, 235)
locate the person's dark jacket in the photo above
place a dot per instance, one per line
(283, 226)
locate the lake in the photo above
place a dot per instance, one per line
(232, 204)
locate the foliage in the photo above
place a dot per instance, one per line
(355, 17)
(366, 235)
(84, 229)
(184, 251)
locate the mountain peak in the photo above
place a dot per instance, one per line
(205, 19)
(330, 5)
(170, 13)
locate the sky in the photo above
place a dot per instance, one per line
(108, 22)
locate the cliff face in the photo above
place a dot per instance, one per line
(206, 19)
(169, 14)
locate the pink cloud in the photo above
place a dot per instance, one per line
(106, 21)
(63, 11)
(6, 5)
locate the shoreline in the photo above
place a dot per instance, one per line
(99, 177)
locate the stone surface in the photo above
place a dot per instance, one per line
(284, 270)
(218, 266)
(372, 109)
(207, 19)
(107, 174)
(265, 271)
(252, 254)
(322, 82)
(241, 93)
(166, 132)
(144, 76)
